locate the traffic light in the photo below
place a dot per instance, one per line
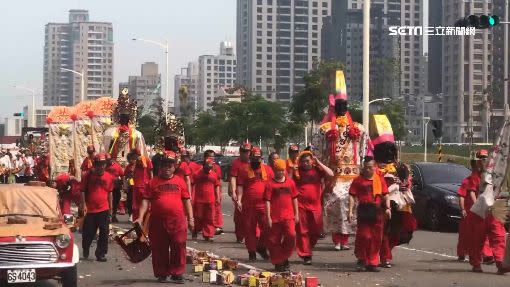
(478, 22)
(437, 128)
(19, 114)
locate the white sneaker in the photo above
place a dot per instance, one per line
(338, 247)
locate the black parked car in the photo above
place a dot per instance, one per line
(223, 161)
(435, 188)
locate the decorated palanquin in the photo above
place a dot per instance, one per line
(341, 144)
(82, 115)
(61, 139)
(123, 136)
(102, 120)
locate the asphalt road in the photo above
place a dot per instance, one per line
(429, 260)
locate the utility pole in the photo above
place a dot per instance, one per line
(425, 123)
(366, 62)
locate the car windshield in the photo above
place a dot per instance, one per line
(444, 173)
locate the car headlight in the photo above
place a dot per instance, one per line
(452, 199)
(62, 241)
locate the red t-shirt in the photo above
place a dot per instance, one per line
(362, 189)
(183, 170)
(236, 166)
(86, 165)
(253, 188)
(310, 189)
(205, 184)
(141, 175)
(115, 169)
(97, 188)
(280, 195)
(166, 197)
(194, 167)
(470, 183)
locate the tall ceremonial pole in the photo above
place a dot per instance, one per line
(366, 63)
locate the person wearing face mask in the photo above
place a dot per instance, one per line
(139, 171)
(482, 228)
(292, 163)
(87, 165)
(251, 183)
(169, 201)
(238, 164)
(96, 187)
(207, 193)
(309, 179)
(282, 216)
(371, 193)
(117, 172)
(272, 158)
(218, 212)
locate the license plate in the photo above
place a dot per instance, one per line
(21, 275)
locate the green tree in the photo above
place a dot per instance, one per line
(310, 102)
(146, 127)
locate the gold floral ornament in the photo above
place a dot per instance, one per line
(342, 121)
(125, 105)
(170, 126)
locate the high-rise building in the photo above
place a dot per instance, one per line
(188, 81)
(215, 72)
(412, 64)
(82, 46)
(435, 48)
(278, 41)
(467, 72)
(145, 88)
(499, 79)
(343, 41)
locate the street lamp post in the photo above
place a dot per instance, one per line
(379, 100)
(82, 75)
(366, 62)
(33, 102)
(425, 123)
(167, 88)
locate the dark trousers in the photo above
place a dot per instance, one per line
(116, 195)
(92, 222)
(129, 200)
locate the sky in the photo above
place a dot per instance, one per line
(192, 27)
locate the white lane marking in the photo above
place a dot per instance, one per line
(249, 267)
(427, 252)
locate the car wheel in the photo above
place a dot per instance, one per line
(433, 217)
(70, 277)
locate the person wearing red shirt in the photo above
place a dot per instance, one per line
(68, 189)
(466, 200)
(169, 201)
(218, 212)
(207, 193)
(86, 165)
(183, 170)
(370, 191)
(480, 228)
(272, 158)
(139, 169)
(115, 169)
(96, 187)
(292, 164)
(282, 216)
(250, 201)
(309, 179)
(238, 164)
